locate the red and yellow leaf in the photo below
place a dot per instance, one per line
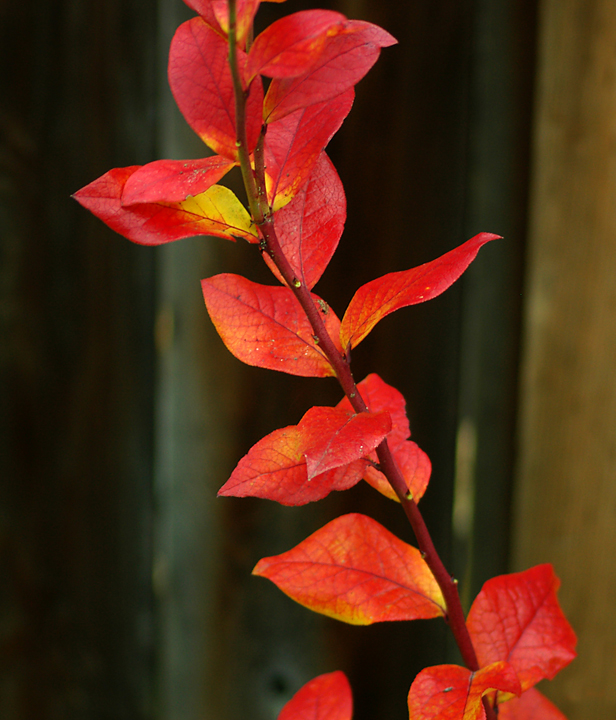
(266, 326)
(294, 145)
(170, 181)
(304, 463)
(310, 226)
(531, 705)
(245, 11)
(355, 570)
(335, 437)
(326, 697)
(215, 212)
(517, 618)
(206, 10)
(291, 45)
(344, 59)
(378, 298)
(414, 465)
(201, 83)
(451, 692)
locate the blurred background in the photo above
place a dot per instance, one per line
(125, 586)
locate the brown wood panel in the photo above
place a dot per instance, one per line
(566, 499)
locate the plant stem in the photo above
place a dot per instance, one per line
(263, 218)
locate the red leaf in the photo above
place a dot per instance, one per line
(380, 297)
(294, 144)
(266, 326)
(327, 697)
(335, 438)
(172, 181)
(215, 212)
(310, 226)
(415, 466)
(291, 45)
(517, 618)
(245, 11)
(275, 469)
(293, 466)
(201, 83)
(379, 396)
(451, 692)
(206, 10)
(345, 59)
(531, 705)
(355, 570)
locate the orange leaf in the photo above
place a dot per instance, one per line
(327, 697)
(517, 618)
(335, 438)
(378, 298)
(451, 692)
(266, 326)
(355, 570)
(531, 705)
(414, 465)
(303, 463)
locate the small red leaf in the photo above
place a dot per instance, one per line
(517, 618)
(380, 297)
(379, 396)
(531, 705)
(334, 437)
(345, 58)
(201, 83)
(171, 181)
(294, 145)
(217, 212)
(245, 11)
(310, 226)
(266, 326)
(276, 468)
(355, 570)
(327, 697)
(291, 45)
(414, 465)
(451, 692)
(206, 10)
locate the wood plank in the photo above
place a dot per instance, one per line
(565, 509)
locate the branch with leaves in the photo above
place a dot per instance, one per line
(353, 569)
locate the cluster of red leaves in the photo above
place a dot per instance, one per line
(352, 569)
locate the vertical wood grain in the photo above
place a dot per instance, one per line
(565, 509)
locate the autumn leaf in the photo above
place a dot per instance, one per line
(294, 145)
(292, 44)
(171, 181)
(245, 11)
(413, 462)
(355, 570)
(335, 437)
(202, 86)
(380, 297)
(266, 326)
(531, 705)
(310, 226)
(215, 212)
(451, 692)
(326, 697)
(517, 618)
(414, 465)
(293, 465)
(344, 59)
